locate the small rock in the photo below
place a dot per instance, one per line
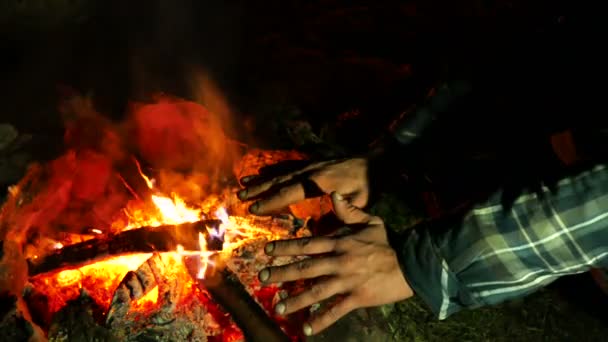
(8, 134)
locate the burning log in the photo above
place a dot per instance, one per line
(227, 290)
(141, 240)
(137, 313)
(134, 286)
(249, 316)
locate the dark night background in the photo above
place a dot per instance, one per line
(538, 68)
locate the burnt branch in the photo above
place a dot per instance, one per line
(141, 240)
(227, 290)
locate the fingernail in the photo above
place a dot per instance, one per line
(269, 247)
(283, 294)
(254, 208)
(338, 197)
(307, 329)
(279, 308)
(242, 194)
(264, 275)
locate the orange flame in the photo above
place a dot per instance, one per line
(79, 197)
(202, 242)
(149, 182)
(175, 211)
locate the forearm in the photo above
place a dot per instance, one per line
(495, 254)
(396, 149)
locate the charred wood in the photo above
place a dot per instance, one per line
(77, 322)
(227, 290)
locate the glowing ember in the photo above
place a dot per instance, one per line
(98, 279)
(149, 300)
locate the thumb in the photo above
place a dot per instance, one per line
(347, 212)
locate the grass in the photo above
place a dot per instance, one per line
(543, 316)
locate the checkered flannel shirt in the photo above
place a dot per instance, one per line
(494, 254)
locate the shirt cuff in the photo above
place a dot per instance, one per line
(428, 274)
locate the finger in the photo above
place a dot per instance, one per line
(304, 269)
(359, 199)
(347, 212)
(268, 172)
(317, 293)
(285, 196)
(258, 189)
(282, 168)
(301, 246)
(263, 183)
(329, 317)
(248, 179)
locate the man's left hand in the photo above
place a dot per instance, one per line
(362, 266)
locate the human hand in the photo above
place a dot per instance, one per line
(362, 266)
(346, 176)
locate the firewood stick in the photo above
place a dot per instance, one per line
(227, 290)
(141, 240)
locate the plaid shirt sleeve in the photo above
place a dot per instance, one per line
(494, 254)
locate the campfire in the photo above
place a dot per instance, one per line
(98, 245)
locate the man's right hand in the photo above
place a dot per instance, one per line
(346, 176)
